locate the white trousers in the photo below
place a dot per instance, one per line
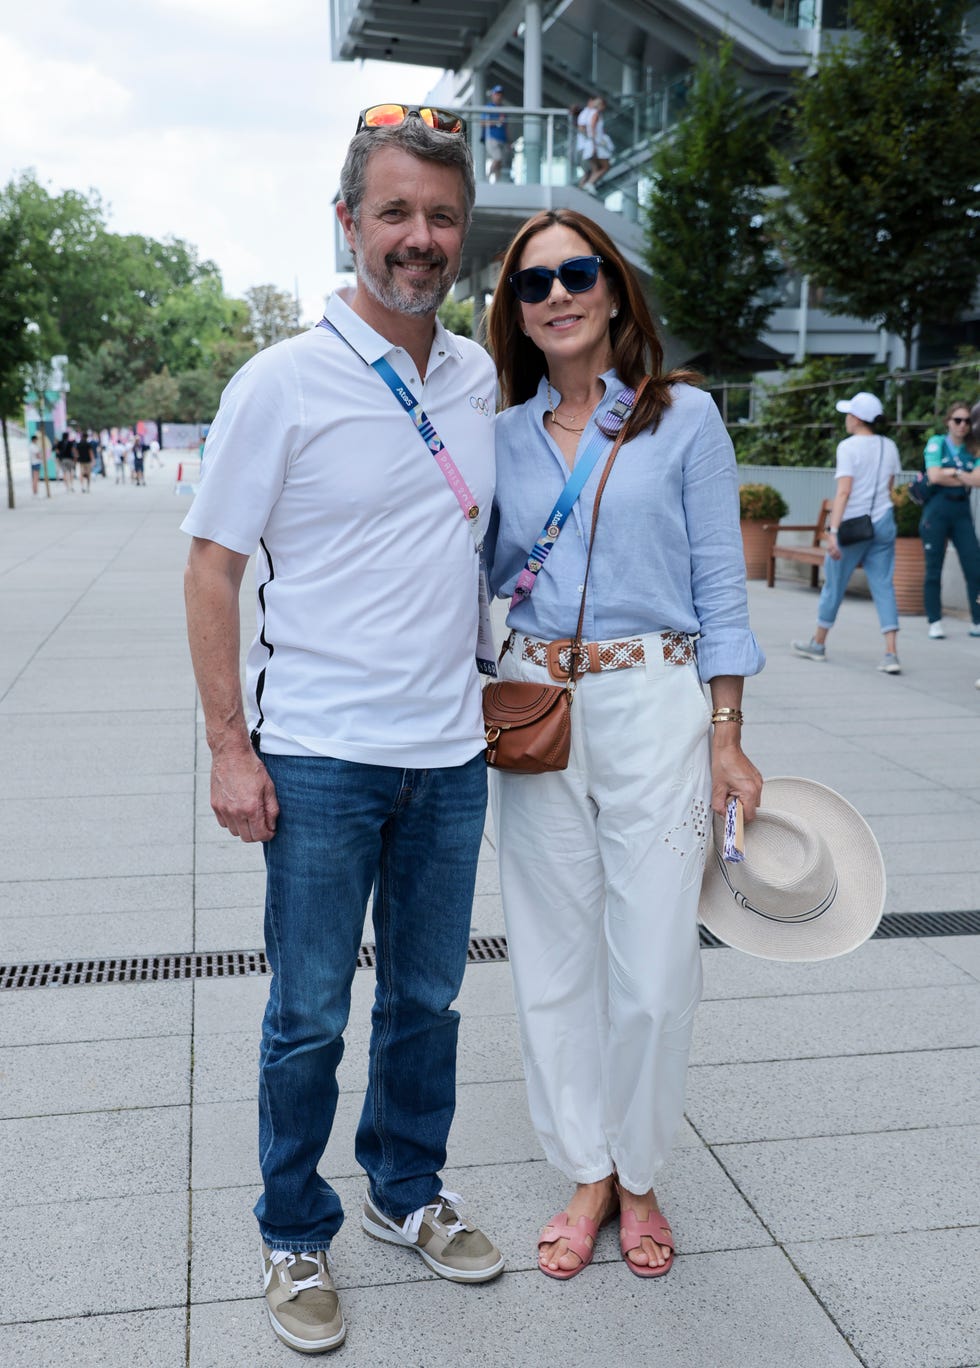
(600, 873)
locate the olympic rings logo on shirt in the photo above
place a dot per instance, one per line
(480, 404)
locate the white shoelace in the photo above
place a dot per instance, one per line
(278, 1256)
(413, 1223)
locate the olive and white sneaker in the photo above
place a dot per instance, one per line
(450, 1245)
(301, 1299)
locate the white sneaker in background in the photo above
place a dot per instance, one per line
(936, 630)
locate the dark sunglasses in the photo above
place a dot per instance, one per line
(959, 420)
(577, 274)
(394, 115)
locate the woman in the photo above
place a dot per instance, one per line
(952, 470)
(601, 863)
(866, 468)
(594, 143)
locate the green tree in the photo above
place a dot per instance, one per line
(200, 393)
(883, 193)
(456, 315)
(273, 315)
(18, 341)
(707, 245)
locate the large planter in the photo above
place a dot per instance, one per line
(909, 578)
(758, 539)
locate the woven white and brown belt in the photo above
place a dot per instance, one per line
(555, 656)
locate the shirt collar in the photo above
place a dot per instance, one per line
(371, 345)
(613, 385)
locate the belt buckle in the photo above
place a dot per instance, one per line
(553, 650)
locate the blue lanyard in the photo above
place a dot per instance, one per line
(433, 442)
(606, 428)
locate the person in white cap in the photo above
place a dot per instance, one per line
(867, 464)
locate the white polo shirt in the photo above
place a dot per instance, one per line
(366, 570)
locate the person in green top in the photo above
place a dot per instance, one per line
(953, 469)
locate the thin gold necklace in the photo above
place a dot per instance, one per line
(551, 412)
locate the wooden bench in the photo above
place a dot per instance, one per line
(812, 555)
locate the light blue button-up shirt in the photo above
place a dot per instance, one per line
(668, 551)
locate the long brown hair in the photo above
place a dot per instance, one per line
(636, 348)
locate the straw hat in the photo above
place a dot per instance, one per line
(812, 884)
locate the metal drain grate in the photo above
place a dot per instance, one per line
(482, 950)
(898, 924)
(201, 965)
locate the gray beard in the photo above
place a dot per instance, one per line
(417, 301)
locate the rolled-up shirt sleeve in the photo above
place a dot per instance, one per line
(727, 645)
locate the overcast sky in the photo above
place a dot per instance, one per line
(222, 122)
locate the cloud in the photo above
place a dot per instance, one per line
(222, 122)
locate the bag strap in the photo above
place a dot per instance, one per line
(608, 426)
(575, 645)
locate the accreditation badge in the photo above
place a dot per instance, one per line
(486, 655)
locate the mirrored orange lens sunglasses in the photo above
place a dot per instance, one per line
(392, 115)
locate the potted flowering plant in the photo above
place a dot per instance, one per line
(760, 508)
(910, 565)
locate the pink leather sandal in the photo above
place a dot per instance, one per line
(631, 1232)
(578, 1236)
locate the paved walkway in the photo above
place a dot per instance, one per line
(824, 1188)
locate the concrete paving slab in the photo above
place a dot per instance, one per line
(148, 691)
(230, 890)
(938, 892)
(825, 1188)
(872, 1022)
(104, 860)
(94, 935)
(112, 1012)
(100, 821)
(488, 915)
(60, 897)
(229, 856)
(97, 1154)
(228, 928)
(954, 857)
(901, 1301)
(874, 965)
(140, 1339)
(146, 1273)
(712, 1309)
(963, 951)
(839, 1096)
(100, 1075)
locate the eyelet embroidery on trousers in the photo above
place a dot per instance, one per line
(679, 838)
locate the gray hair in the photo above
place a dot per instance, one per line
(416, 138)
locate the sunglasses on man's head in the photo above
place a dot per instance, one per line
(393, 115)
(577, 274)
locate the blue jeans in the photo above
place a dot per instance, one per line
(946, 519)
(414, 835)
(877, 556)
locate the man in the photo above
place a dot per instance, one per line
(495, 136)
(360, 763)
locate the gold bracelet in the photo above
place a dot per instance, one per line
(727, 715)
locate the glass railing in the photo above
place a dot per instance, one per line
(538, 147)
(793, 13)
